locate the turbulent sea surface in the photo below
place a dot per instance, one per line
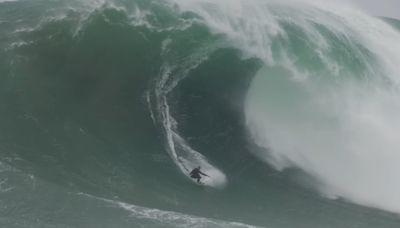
(292, 108)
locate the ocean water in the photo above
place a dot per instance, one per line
(291, 107)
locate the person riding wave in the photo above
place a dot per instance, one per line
(195, 174)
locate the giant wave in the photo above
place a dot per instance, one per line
(291, 107)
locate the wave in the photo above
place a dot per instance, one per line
(121, 99)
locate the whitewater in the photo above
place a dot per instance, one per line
(292, 107)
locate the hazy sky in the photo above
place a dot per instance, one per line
(390, 8)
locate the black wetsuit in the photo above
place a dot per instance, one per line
(195, 174)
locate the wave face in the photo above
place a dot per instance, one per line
(106, 105)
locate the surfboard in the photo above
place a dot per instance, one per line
(201, 183)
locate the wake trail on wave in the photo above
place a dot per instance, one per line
(182, 154)
(185, 157)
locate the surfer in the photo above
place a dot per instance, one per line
(195, 174)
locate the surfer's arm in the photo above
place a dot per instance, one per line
(204, 174)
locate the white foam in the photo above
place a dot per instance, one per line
(2, 1)
(177, 219)
(170, 218)
(3, 186)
